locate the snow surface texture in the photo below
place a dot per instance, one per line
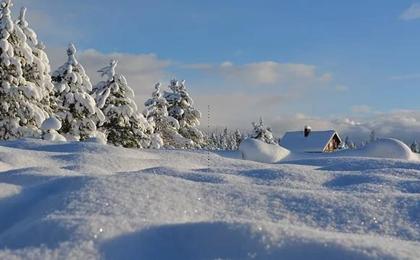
(88, 201)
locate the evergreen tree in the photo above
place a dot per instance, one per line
(238, 138)
(263, 133)
(39, 70)
(124, 125)
(180, 107)
(76, 108)
(164, 125)
(225, 140)
(24, 94)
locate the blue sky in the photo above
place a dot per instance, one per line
(291, 61)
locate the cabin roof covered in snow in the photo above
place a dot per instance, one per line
(316, 141)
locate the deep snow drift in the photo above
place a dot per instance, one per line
(87, 201)
(258, 151)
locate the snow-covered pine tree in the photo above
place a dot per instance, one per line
(124, 125)
(263, 133)
(24, 92)
(212, 142)
(180, 107)
(238, 138)
(225, 140)
(164, 125)
(39, 71)
(76, 108)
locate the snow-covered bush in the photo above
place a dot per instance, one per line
(124, 125)
(263, 133)
(25, 85)
(50, 129)
(165, 126)
(180, 107)
(76, 108)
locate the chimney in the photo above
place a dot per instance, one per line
(307, 130)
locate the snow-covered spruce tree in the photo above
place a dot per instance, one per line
(76, 108)
(180, 107)
(39, 71)
(263, 133)
(238, 138)
(164, 125)
(212, 142)
(124, 125)
(24, 90)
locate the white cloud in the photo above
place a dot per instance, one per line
(266, 73)
(412, 13)
(271, 73)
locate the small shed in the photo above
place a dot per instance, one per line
(311, 141)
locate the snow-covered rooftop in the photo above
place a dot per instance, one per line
(314, 142)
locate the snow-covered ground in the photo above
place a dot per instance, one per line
(87, 201)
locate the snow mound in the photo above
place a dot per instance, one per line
(386, 148)
(54, 136)
(51, 123)
(259, 151)
(97, 137)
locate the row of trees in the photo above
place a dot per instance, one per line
(30, 95)
(230, 140)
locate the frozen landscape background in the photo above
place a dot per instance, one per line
(183, 188)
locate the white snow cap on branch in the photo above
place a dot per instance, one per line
(24, 25)
(109, 70)
(6, 20)
(71, 51)
(51, 123)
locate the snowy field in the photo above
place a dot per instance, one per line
(87, 201)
